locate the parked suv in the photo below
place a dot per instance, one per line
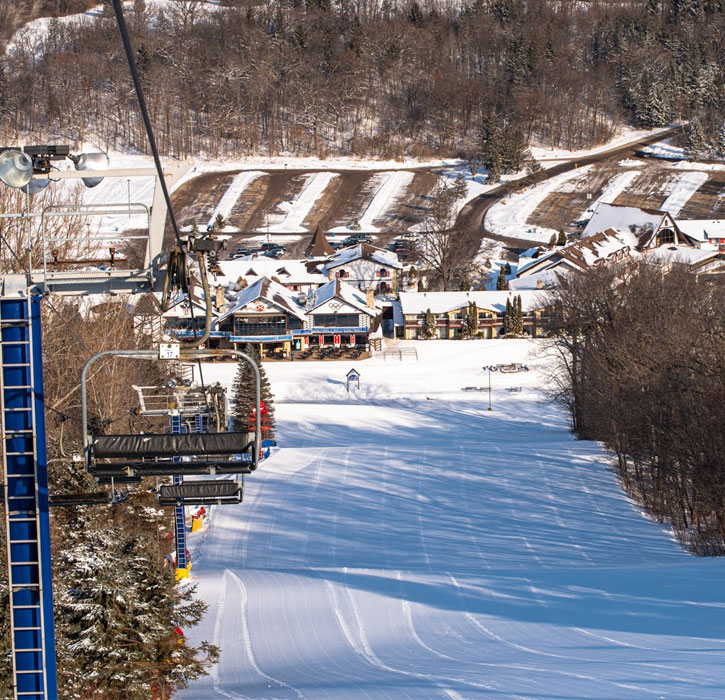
(265, 247)
(356, 238)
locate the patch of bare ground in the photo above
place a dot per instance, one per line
(355, 193)
(331, 209)
(649, 190)
(195, 201)
(560, 210)
(709, 200)
(261, 198)
(412, 206)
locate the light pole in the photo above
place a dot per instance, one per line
(285, 182)
(489, 388)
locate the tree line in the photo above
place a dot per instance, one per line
(480, 78)
(642, 353)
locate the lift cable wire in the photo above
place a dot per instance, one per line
(126, 40)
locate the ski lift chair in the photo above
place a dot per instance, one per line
(153, 454)
(98, 498)
(202, 493)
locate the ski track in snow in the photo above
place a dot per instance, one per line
(684, 187)
(398, 548)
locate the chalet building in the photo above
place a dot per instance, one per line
(650, 227)
(451, 309)
(366, 267)
(705, 233)
(281, 321)
(647, 234)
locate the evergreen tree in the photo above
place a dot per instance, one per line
(501, 282)
(219, 223)
(518, 316)
(696, 144)
(460, 188)
(429, 325)
(561, 240)
(552, 240)
(507, 318)
(243, 395)
(471, 324)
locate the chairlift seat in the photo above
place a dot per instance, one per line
(149, 445)
(201, 493)
(167, 467)
(166, 454)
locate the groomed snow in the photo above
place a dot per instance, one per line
(390, 187)
(614, 188)
(685, 186)
(298, 209)
(232, 195)
(405, 542)
(508, 217)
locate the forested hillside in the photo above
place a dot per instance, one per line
(385, 78)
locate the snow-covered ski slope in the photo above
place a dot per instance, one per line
(407, 543)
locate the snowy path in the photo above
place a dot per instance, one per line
(407, 543)
(233, 193)
(509, 216)
(391, 187)
(614, 188)
(685, 186)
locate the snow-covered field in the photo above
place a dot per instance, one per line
(509, 216)
(405, 542)
(684, 187)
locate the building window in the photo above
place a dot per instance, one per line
(335, 320)
(666, 235)
(295, 323)
(260, 325)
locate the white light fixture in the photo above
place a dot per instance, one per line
(16, 168)
(90, 161)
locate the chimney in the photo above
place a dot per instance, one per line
(370, 297)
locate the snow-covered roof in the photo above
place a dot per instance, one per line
(367, 252)
(416, 303)
(622, 218)
(702, 230)
(547, 278)
(607, 245)
(336, 288)
(680, 254)
(268, 290)
(287, 271)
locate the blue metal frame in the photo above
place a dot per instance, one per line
(177, 427)
(26, 500)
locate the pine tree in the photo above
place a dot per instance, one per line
(696, 145)
(561, 240)
(552, 240)
(501, 282)
(243, 395)
(518, 316)
(429, 324)
(219, 223)
(507, 318)
(471, 325)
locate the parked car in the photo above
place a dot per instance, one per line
(275, 253)
(356, 238)
(271, 246)
(243, 250)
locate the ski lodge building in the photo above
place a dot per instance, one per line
(451, 309)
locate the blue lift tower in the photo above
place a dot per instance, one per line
(26, 499)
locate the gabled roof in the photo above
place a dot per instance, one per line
(337, 289)
(319, 246)
(271, 292)
(364, 251)
(702, 230)
(644, 223)
(289, 271)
